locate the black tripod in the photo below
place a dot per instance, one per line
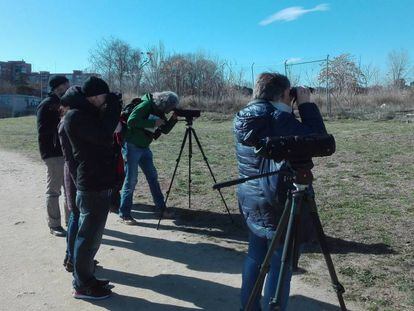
(298, 198)
(189, 133)
(290, 218)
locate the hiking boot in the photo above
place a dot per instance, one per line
(128, 220)
(58, 231)
(93, 293)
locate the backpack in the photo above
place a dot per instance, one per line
(125, 113)
(127, 110)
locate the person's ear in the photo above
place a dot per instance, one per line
(288, 99)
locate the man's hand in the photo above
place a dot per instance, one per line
(303, 95)
(159, 122)
(174, 116)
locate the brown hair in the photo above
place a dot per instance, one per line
(270, 86)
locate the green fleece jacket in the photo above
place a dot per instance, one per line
(138, 121)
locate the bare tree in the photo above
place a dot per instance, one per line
(370, 75)
(152, 79)
(342, 73)
(398, 66)
(102, 60)
(118, 63)
(192, 74)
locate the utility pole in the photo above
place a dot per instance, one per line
(252, 75)
(328, 102)
(41, 86)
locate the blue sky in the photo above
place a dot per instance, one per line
(58, 35)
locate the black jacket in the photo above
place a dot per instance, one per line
(90, 132)
(67, 150)
(47, 127)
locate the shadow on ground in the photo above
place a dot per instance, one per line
(128, 303)
(201, 222)
(204, 294)
(219, 225)
(220, 258)
(299, 302)
(341, 246)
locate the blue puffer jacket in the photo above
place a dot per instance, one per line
(262, 200)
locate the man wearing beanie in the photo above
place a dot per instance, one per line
(90, 124)
(51, 152)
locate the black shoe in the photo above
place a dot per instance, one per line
(69, 266)
(102, 282)
(93, 293)
(58, 231)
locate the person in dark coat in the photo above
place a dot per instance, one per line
(69, 177)
(261, 201)
(51, 153)
(90, 125)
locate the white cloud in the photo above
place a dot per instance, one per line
(292, 13)
(293, 60)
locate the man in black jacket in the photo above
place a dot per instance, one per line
(90, 124)
(51, 152)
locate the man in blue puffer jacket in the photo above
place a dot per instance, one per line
(261, 201)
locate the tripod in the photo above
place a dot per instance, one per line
(189, 133)
(297, 199)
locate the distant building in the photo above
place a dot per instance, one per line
(19, 73)
(40, 80)
(15, 71)
(13, 105)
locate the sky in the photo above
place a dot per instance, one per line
(58, 35)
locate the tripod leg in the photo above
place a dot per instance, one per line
(339, 289)
(265, 267)
(211, 172)
(175, 171)
(296, 245)
(287, 255)
(190, 155)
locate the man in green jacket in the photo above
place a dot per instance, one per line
(146, 122)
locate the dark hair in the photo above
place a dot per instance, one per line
(94, 86)
(270, 86)
(56, 81)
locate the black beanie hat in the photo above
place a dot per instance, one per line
(94, 86)
(56, 81)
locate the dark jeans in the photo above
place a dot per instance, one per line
(71, 234)
(257, 251)
(70, 192)
(93, 207)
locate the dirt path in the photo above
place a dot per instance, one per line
(169, 269)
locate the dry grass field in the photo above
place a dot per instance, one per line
(365, 193)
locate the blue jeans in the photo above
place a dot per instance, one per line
(94, 208)
(255, 256)
(134, 156)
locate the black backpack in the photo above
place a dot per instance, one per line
(125, 113)
(127, 110)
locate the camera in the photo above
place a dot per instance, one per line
(294, 92)
(187, 113)
(297, 149)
